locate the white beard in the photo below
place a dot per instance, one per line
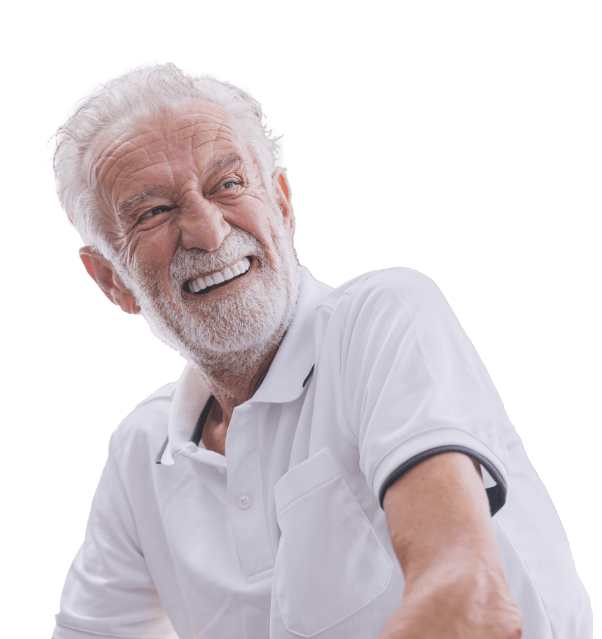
(231, 335)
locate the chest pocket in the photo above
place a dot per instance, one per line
(330, 563)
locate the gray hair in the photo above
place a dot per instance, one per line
(142, 93)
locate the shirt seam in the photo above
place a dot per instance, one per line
(158, 394)
(528, 571)
(411, 326)
(116, 456)
(434, 430)
(343, 296)
(326, 481)
(102, 634)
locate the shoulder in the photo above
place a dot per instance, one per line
(385, 309)
(144, 430)
(395, 289)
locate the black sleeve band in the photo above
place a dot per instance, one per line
(496, 494)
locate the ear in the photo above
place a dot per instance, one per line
(103, 273)
(282, 195)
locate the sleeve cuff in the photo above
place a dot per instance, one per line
(496, 494)
(64, 632)
(416, 450)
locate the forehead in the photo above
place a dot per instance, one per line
(161, 147)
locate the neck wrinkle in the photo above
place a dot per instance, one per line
(230, 385)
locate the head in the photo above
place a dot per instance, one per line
(172, 180)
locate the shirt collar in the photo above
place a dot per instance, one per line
(284, 381)
(295, 357)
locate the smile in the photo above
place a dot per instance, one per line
(205, 283)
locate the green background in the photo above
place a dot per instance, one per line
(459, 138)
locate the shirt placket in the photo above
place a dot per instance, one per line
(245, 500)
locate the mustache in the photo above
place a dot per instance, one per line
(189, 263)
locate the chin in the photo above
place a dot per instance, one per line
(230, 335)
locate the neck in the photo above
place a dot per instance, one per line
(234, 377)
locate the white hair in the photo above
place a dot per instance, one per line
(116, 105)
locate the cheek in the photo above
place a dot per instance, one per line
(151, 252)
(257, 220)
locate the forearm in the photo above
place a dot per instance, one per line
(440, 528)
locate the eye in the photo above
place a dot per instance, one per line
(154, 212)
(228, 184)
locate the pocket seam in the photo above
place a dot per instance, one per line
(309, 492)
(378, 547)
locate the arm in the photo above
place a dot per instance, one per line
(109, 591)
(440, 527)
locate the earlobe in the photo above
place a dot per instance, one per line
(103, 273)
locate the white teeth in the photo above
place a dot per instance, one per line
(217, 278)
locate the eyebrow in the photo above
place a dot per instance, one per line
(219, 163)
(128, 205)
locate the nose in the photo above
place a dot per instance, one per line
(202, 224)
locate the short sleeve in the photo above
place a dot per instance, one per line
(109, 591)
(413, 384)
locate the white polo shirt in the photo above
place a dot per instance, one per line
(285, 536)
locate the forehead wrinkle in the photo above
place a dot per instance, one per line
(121, 164)
(200, 142)
(198, 129)
(214, 129)
(218, 128)
(176, 137)
(118, 150)
(114, 158)
(115, 150)
(233, 153)
(210, 122)
(123, 167)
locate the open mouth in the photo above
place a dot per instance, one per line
(206, 283)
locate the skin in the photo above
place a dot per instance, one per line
(195, 204)
(440, 527)
(437, 513)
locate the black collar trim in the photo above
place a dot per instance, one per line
(198, 429)
(311, 372)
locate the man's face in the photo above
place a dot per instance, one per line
(184, 199)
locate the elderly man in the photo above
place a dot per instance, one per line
(333, 463)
